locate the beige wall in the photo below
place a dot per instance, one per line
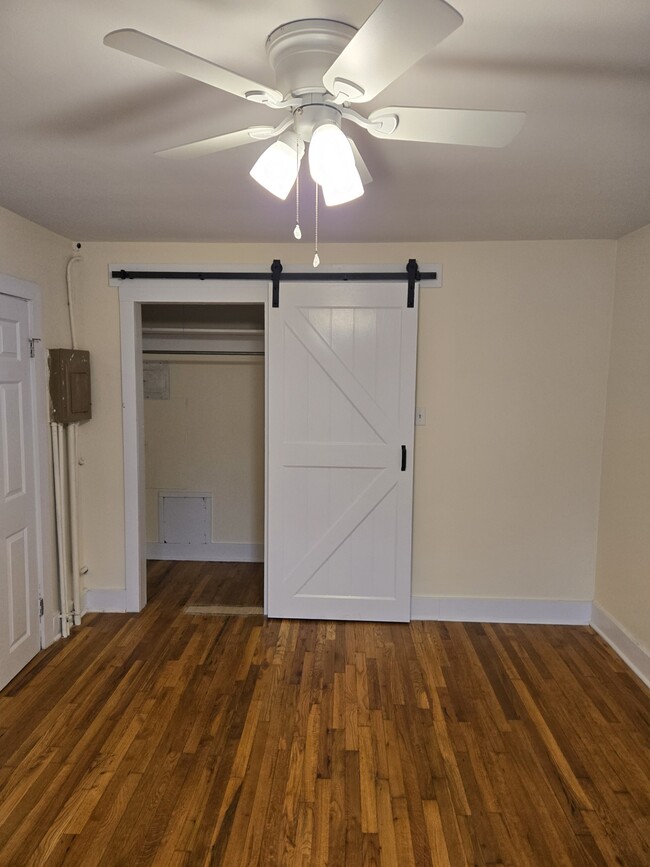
(623, 572)
(512, 370)
(29, 252)
(33, 253)
(209, 436)
(512, 364)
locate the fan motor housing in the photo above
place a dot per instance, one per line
(313, 114)
(301, 52)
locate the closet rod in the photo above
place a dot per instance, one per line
(199, 352)
(179, 329)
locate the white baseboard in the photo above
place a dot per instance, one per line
(473, 609)
(621, 642)
(216, 552)
(105, 600)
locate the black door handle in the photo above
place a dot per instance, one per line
(403, 458)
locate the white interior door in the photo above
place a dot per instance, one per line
(19, 614)
(341, 389)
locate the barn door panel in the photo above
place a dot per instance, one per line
(341, 367)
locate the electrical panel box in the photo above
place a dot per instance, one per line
(70, 385)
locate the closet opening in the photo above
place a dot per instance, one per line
(204, 379)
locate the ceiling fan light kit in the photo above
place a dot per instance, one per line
(321, 68)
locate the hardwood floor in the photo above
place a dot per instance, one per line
(172, 739)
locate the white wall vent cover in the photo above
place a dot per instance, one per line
(185, 517)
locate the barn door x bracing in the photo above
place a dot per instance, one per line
(341, 367)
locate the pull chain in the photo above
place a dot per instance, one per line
(316, 261)
(297, 234)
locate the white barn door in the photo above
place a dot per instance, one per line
(19, 614)
(341, 390)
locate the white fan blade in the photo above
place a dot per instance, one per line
(219, 143)
(397, 35)
(362, 168)
(146, 47)
(456, 126)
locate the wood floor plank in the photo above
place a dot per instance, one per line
(436, 834)
(337, 818)
(353, 814)
(169, 739)
(387, 841)
(320, 851)
(367, 781)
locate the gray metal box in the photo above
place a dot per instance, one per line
(70, 385)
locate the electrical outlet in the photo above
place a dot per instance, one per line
(420, 415)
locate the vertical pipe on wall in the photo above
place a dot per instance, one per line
(68, 275)
(56, 432)
(71, 439)
(65, 537)
(73, 515)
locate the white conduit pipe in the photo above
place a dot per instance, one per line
(64, 523)
(55, 430)
(68, 275)
(74, 521)
(71, 434)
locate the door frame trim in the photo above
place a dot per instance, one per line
(33, 295)
(131, 297)
(132, 294)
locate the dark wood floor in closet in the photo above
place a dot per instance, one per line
(173, 739)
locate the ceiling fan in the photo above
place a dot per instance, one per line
(322, 68)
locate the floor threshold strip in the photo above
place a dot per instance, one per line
(225, 610)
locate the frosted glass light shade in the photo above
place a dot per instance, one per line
(344, 188)
(276, 170)
(332, 165)
(330, 153)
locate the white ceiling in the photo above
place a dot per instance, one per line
(79, 124)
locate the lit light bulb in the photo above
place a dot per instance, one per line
(332, 165)
(344, 188)
(329, 153)
(277, 169)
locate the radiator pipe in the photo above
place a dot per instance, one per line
(71, 434)
(55, 430)
(71, 441)
(65, 538)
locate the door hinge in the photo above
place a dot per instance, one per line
(32, 348)
(41, 606)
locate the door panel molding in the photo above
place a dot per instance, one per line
(26, 485)
(50, 628)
